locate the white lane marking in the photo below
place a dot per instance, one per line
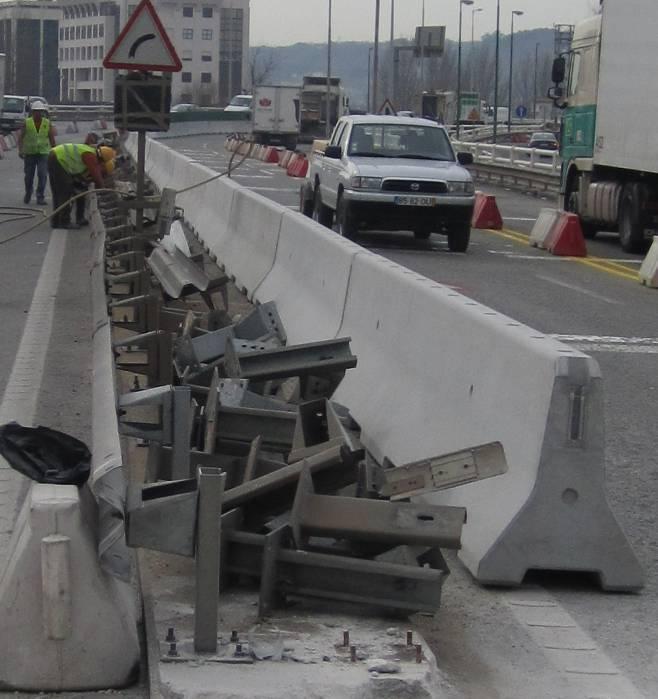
(605, 343)
(273, 189)
(20, 397)
(518, 218)
(585, 667)
(255, 177)
(580, 289)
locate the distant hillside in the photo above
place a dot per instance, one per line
(288, 64)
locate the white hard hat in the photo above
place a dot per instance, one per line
(38, 104)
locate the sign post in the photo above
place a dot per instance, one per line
(142, 100)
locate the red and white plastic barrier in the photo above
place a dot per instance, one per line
(298, 166)
(649, 268)
(560, 233)
(486, 213)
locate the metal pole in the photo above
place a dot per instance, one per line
(495, 122)
(210, 483)
(369, 107)
(422, 55)
(392, 59)
(459, 71)
(141, 161)
(375, 62)
(534, 99)
(511, 64)
(328, 115)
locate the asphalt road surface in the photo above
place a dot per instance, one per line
(484, 643)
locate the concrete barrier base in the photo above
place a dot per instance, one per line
(66, 625)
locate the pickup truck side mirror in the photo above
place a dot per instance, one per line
(335, 152)
(465, 158)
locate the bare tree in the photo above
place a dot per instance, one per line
(261, 66)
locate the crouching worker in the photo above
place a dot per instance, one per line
(69, 165)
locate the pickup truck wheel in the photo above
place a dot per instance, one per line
(306, 204)
(345, 220)
(631, 230)
(422, 232)
(321, 213)
(459, 236)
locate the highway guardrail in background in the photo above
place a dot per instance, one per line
(440, 372)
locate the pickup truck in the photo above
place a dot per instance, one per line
(391, 173)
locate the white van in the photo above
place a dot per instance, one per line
(15, 109)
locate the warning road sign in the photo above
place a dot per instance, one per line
(388, 108)
(143, 44)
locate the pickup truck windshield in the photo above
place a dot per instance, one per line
(241, 102)
(400, 141)
(13, 105)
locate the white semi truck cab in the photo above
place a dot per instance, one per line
(609, 140)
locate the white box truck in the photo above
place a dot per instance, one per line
(275, 115)
(609, 139)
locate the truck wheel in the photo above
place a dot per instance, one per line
(572, 205)
(306, 201)
(422, 232)
(459, 236)
(345, 222)
(321, 213)
(631, 229)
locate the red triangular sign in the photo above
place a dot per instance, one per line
(143, 44)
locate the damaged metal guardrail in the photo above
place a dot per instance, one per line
(247, 428)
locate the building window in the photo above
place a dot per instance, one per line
(206, 12)
(206, 77)
(95, 31)
(61, 34)
(206, 33)
(206, 57)
(101, 30)
(83, 32)
(186, 77)
(95, 52)
(100, 73)
(187, 56)
(188, 11)
(188, 34)
(77, 32)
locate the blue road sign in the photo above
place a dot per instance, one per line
(521, 112)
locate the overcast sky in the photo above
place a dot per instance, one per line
(282, 22)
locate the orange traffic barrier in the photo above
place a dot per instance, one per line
(298, 166)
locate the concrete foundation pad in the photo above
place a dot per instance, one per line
(298, 653)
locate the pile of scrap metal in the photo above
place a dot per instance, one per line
(255, 472)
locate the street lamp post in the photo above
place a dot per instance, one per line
(328, 113)
(369, 79)
(375, 61)
(474, 11)
(459, 66)
(392, 50)
(515, 13)
(534, 99)
(495, 115)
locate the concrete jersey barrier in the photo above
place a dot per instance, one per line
(439, 372)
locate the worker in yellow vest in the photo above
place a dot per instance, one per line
(70, 164)
(35, 139)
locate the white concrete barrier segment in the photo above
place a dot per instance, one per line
(543, 226)
(62, 628)
(649, 267)
(439, 372)
(309, 279)
(248, 245)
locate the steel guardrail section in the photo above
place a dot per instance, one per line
(370, 520)
(175, 272)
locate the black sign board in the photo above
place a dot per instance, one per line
(142, 101)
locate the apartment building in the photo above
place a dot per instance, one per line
(210, 36)
(86, 32)
(212, 40)
(29, 38)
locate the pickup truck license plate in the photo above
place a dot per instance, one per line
(415, 201)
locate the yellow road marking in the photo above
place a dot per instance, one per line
(615, 269)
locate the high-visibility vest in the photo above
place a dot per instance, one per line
(70, 155)
(36, 141)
